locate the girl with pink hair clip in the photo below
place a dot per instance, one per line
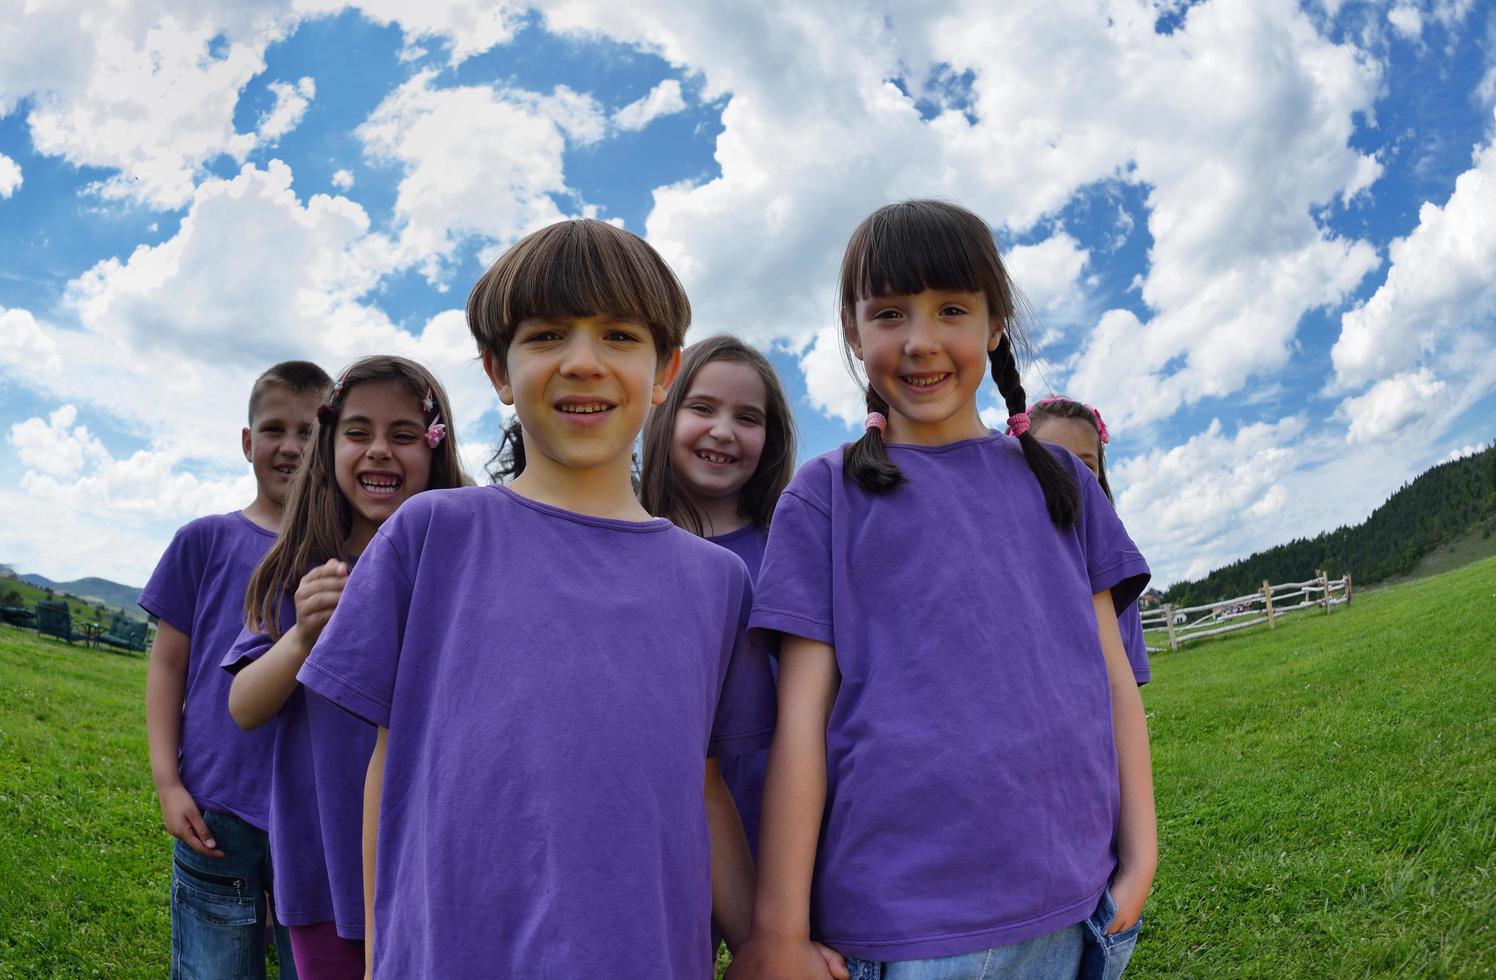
(383, 436)
(1079, 428)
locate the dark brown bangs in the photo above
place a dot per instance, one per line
(578, 268)
(907, 248)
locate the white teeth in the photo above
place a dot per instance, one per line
(584, 409)
(926, 381)
(379, 484)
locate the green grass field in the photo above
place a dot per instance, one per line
(1327, 799)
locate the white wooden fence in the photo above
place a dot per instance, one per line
(1186, 623)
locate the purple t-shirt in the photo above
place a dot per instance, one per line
(198, 588)
(972, 792)
(316, 800)
(1130, 622)
(552, 684)
(744, 774)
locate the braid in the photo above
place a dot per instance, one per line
(866, 460)
(1061, 496)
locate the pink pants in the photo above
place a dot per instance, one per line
(321, 954)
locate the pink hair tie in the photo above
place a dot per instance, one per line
(876, 420)
(1018, 424)
(435, 433)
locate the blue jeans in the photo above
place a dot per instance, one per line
(219, 908)
(1104, 956)
(1053, 956)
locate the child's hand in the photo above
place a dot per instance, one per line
(1129, 891)
(835, 962)
(759, 960)
(184, 821)
(317, 596)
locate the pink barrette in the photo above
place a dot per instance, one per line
(1101, 428)
(435, 433)
(876, 420)
(428, 403)
(1018, 424)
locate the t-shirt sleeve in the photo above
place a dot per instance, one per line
(354, 661)
(794, 582)
(1130, 621)
(248, 648)
(1112, 560)
(747, 706)
(171, 593)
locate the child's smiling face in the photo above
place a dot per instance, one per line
(380, 456)
(581, 387)
(926, 354)
(273, 444)
(719, 430)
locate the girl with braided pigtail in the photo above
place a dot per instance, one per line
(959, 784)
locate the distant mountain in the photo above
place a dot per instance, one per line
(105, 591)
(1443, 505)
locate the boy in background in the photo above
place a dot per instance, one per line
(212, 779)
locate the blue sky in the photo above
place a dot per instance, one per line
(1254, 232)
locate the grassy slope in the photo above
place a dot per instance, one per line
(1474, 545)
(1327, 799)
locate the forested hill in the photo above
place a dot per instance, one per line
(1437, 507)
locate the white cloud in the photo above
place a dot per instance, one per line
(10, 176)
(577, 114)
(1439, 287)
(291, 102)
(27, 349)
(1391, 405)
(663, 100)
(469, 27)
(1048, 274)
(1462, 452)
(342, 179)
(478, 162)
(147, 92)
(1407, 21)
(1062, 97)
(53, 446)
(829, 386)
(168, 341)
(77, 510)
(1200, 504)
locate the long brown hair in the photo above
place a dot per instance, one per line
(659, 491)
(912, 246)
(317, 518)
